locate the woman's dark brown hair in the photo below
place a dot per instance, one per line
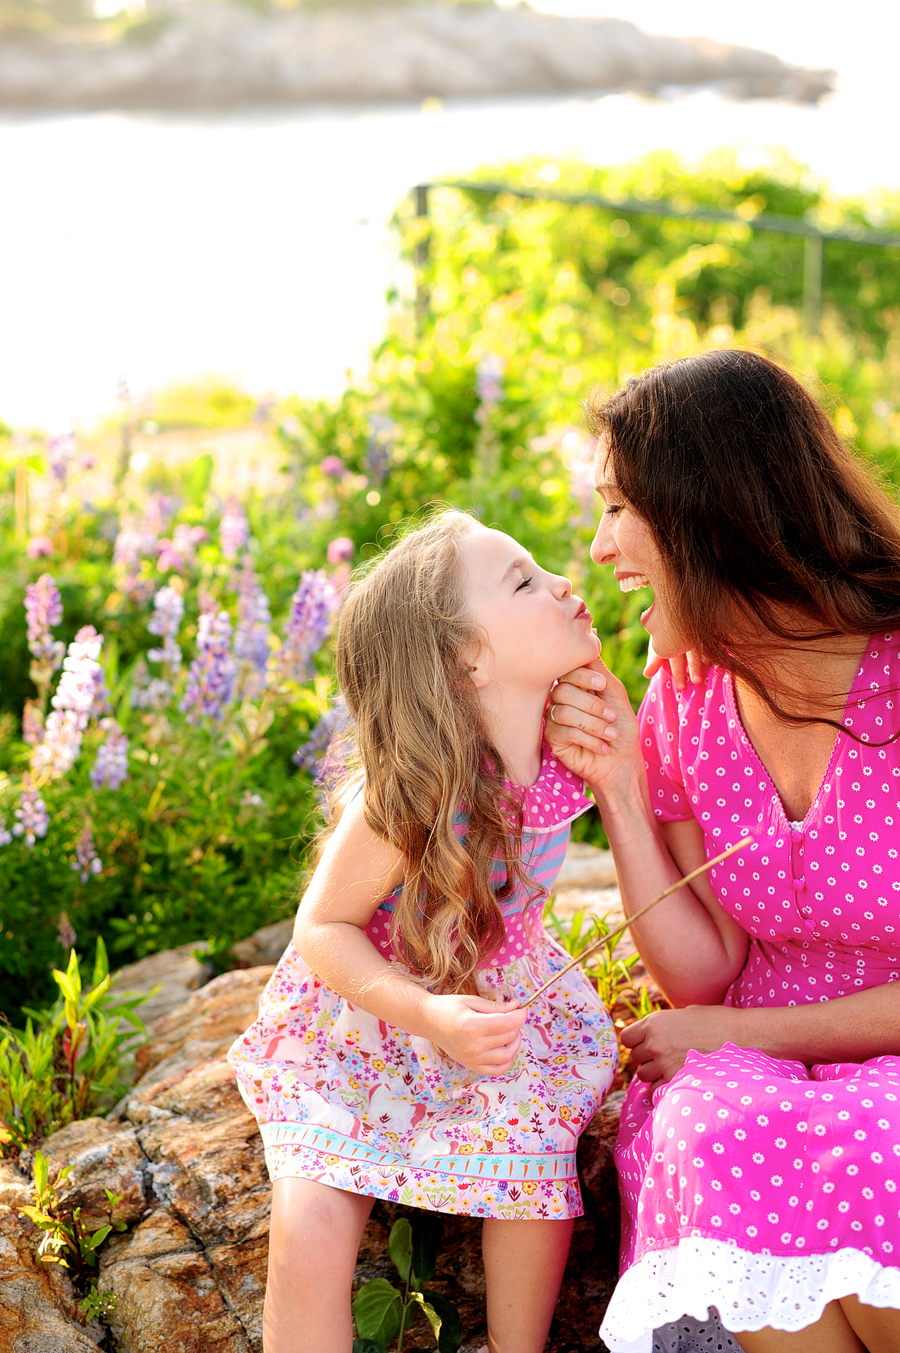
(756, 506)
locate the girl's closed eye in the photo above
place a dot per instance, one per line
(526, 582)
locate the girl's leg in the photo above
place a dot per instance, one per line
(831, 1333)
(524, 1263)
(878, 1327)
(313, 1243)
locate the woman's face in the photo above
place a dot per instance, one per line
(625, 541)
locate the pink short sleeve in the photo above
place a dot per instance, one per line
(659, 722)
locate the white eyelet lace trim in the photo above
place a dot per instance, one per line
(749, 1290)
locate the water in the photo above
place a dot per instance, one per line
(258, 245)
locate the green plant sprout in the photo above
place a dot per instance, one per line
(69, 1060)
(384, 1313)
(68, 1240)
(612, 976)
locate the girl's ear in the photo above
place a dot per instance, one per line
(475, 662)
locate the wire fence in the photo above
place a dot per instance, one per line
(814, 236)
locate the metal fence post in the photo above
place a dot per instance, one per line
(421, 253)
(812, 284)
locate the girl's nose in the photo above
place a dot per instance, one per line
(562, 587)
(603, 546)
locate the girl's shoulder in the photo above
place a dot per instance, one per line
(555, 799)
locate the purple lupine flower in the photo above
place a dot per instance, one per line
(39, 547)
(178, 554)
(65, 931)
(312, 607)
(86, 855)
(340, 550)
(382, 433)
(5, 835)
(60, 454)
(333, 467)
(168, 612)
(251, 636)
(110, 769)
(43, 610)
(32, 819)
(313, 756)
(148, 692)
(489, 384)
(211, 676)
(81, 692)
(234, 529)
(32, 723)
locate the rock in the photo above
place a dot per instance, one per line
(206, 1024)
(222, 55)
(37, 1305)
(265, 946)
(168, 1297)
(102, 1156)
(587, 867)
(176, 972)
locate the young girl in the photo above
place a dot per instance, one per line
(392, 1057)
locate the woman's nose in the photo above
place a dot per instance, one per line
(603, 546)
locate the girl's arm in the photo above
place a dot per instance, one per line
(692, 948)
(356, 871)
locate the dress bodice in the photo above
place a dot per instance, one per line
(819, 899)
(550, 806)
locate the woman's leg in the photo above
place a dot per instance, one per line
(831, 1333)
(524, 1263)
(313, 1243)
(878, 1327)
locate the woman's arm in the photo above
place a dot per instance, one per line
(356, 870)
(845, 1029)
(693, 949)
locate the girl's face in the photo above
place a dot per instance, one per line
(625, 540)
(536, 630)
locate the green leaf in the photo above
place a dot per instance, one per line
(400, 1246)
(40, 1172)
(97, 1239)
(426, 1242)
(377, 1310)
(451, 1334)
(431, 1314)
(367, 1346)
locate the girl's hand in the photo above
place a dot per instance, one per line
(683, 667)
(660, 1042)
(483, 1035)
(590, 724)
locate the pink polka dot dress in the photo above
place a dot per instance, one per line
(757, 1185)
(343, 1098)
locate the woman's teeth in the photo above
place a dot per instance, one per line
(633, 582)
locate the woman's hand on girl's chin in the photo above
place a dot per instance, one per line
(660, 1042)
(684, 667)
(483, 1035)
(590, 724)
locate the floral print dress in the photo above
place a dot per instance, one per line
(343, 1098)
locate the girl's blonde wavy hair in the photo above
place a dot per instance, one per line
(426, 753)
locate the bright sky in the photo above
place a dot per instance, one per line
(830, 33)
(157, 247)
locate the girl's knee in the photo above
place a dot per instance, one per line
(315, 1228)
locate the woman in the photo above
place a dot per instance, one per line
(759, 1149)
